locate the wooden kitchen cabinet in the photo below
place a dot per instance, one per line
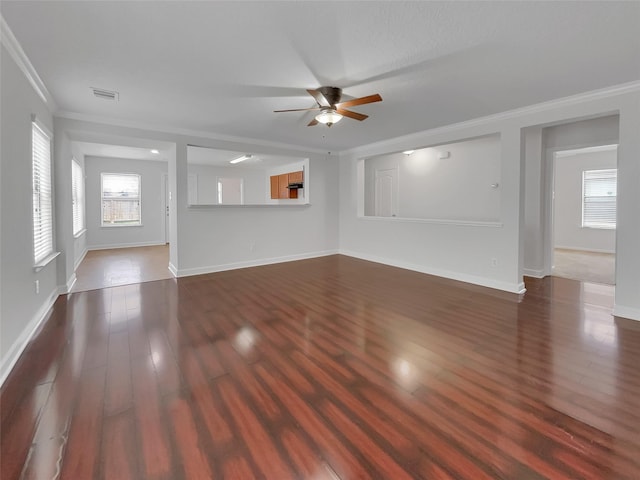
(296, 177)
(274, 186)
(280, 185)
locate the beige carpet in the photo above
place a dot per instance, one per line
(584, 266)
(122, 266)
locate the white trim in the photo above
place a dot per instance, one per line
(8, 39)
(79, 261)
(436, 221)
(70, 283)
(535, 273)
(187, 272)
(186, 132)
(125, 245)
(626, 312)
(583, 249)
(11, 357)
(173, 269)
(80, 233)
(45, 261)
(518, 288)
(414, 140)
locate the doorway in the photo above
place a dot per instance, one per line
(230, 191)
(584, 213)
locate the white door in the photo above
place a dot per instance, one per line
(386, 193)
(165, 206)
(230, 191)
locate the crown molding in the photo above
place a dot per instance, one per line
(115, 122)
(412, 138)
(14, 48)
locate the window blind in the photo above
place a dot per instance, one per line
(42, 199)
(599, 189)
(77, 196)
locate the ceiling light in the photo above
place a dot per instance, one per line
(241, 159)
(408, 152)
(328, 116)
(155, 151)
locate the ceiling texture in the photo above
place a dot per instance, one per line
(223, 67)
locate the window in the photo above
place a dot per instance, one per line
(77, 197)
(42, 198)
(599, 190)
(120, 199)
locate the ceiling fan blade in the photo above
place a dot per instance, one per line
(360, 101)
(297, 110)
(312, 123)
(319, 97)
(350, 114)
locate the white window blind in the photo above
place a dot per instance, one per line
(599, 191)
(77, 196)
(42, 199)
(121, 199)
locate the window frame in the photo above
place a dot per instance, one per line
(78, 198)
(587, 223)
(102, 200)
(42, 196)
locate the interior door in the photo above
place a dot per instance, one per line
(386, 193)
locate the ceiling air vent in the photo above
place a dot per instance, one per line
(105, 94)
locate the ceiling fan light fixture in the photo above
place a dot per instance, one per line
(329, 116)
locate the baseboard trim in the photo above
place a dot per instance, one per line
(125, 245)
(518, 288)
(79, 261)
(626, 312)
(70, 283)
(187, 272)
(582, 249)
(173, 269)
(13, 355)
(530, 272)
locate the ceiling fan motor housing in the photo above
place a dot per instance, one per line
(332, 94)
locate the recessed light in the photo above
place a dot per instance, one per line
(155, 151)
(408, 152)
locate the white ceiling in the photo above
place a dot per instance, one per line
(223, 67)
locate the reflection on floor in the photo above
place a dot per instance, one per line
(585, 266)
(122, 266)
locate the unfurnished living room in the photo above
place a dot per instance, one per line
(319, 240)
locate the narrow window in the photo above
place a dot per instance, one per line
(599, 191)
(42, 195)
(120, 199)
(77, 197)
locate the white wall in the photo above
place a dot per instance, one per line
(453, 188)
(211, 238)
(567, 216)
(21, 308)
(540, 144)
(80, 240)
(465, 252)
(152, 230)
(207, 180)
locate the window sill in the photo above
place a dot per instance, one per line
(594, 227)
(121, 226)
(45, 261)
(80, 233)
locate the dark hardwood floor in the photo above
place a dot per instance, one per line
(330, 368)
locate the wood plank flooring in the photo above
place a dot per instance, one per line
(330, 368)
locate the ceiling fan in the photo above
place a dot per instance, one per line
(331, 108)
